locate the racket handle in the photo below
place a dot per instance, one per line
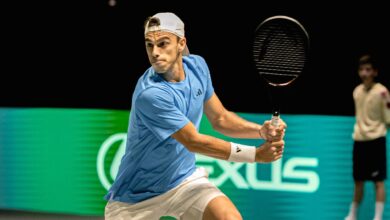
(275, 120)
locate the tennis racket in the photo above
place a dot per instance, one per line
(280, 51)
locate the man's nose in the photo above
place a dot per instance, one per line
(155, 51)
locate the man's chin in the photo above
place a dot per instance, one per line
(159, 69)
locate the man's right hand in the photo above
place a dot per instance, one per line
(270, 133)
(269, 151)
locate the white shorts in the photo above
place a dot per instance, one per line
(187, 201)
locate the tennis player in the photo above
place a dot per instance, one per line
(157, 175)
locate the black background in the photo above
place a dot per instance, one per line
(86, 54)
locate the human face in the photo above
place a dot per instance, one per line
(367, 73)
(163, 50)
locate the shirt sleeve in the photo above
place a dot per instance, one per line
(209, 89)
(157, 111)
(386, 106)
(209, 85)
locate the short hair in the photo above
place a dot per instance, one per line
(151, 21)
(368, 59)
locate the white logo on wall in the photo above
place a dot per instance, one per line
(104, 149)
(309, 179)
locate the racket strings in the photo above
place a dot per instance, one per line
(279, 48)
(283, 56)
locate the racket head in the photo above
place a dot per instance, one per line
(280, 50)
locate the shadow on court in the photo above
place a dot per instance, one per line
(22, 215)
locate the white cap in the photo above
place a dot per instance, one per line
(169, 22)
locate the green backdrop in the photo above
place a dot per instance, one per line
(63, 161)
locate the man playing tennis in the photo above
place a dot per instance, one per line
(157, 175)
(372, 104)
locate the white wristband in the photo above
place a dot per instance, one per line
(242, 153)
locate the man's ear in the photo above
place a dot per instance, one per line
(182, 44)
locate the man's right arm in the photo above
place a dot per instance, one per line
(159, 114)
(220, 149)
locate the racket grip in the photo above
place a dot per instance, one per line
(275, 120)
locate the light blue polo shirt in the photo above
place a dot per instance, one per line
(154, 162)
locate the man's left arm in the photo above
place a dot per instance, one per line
(230, 124)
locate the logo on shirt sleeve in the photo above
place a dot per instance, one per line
(199, 92)
(386, 96)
